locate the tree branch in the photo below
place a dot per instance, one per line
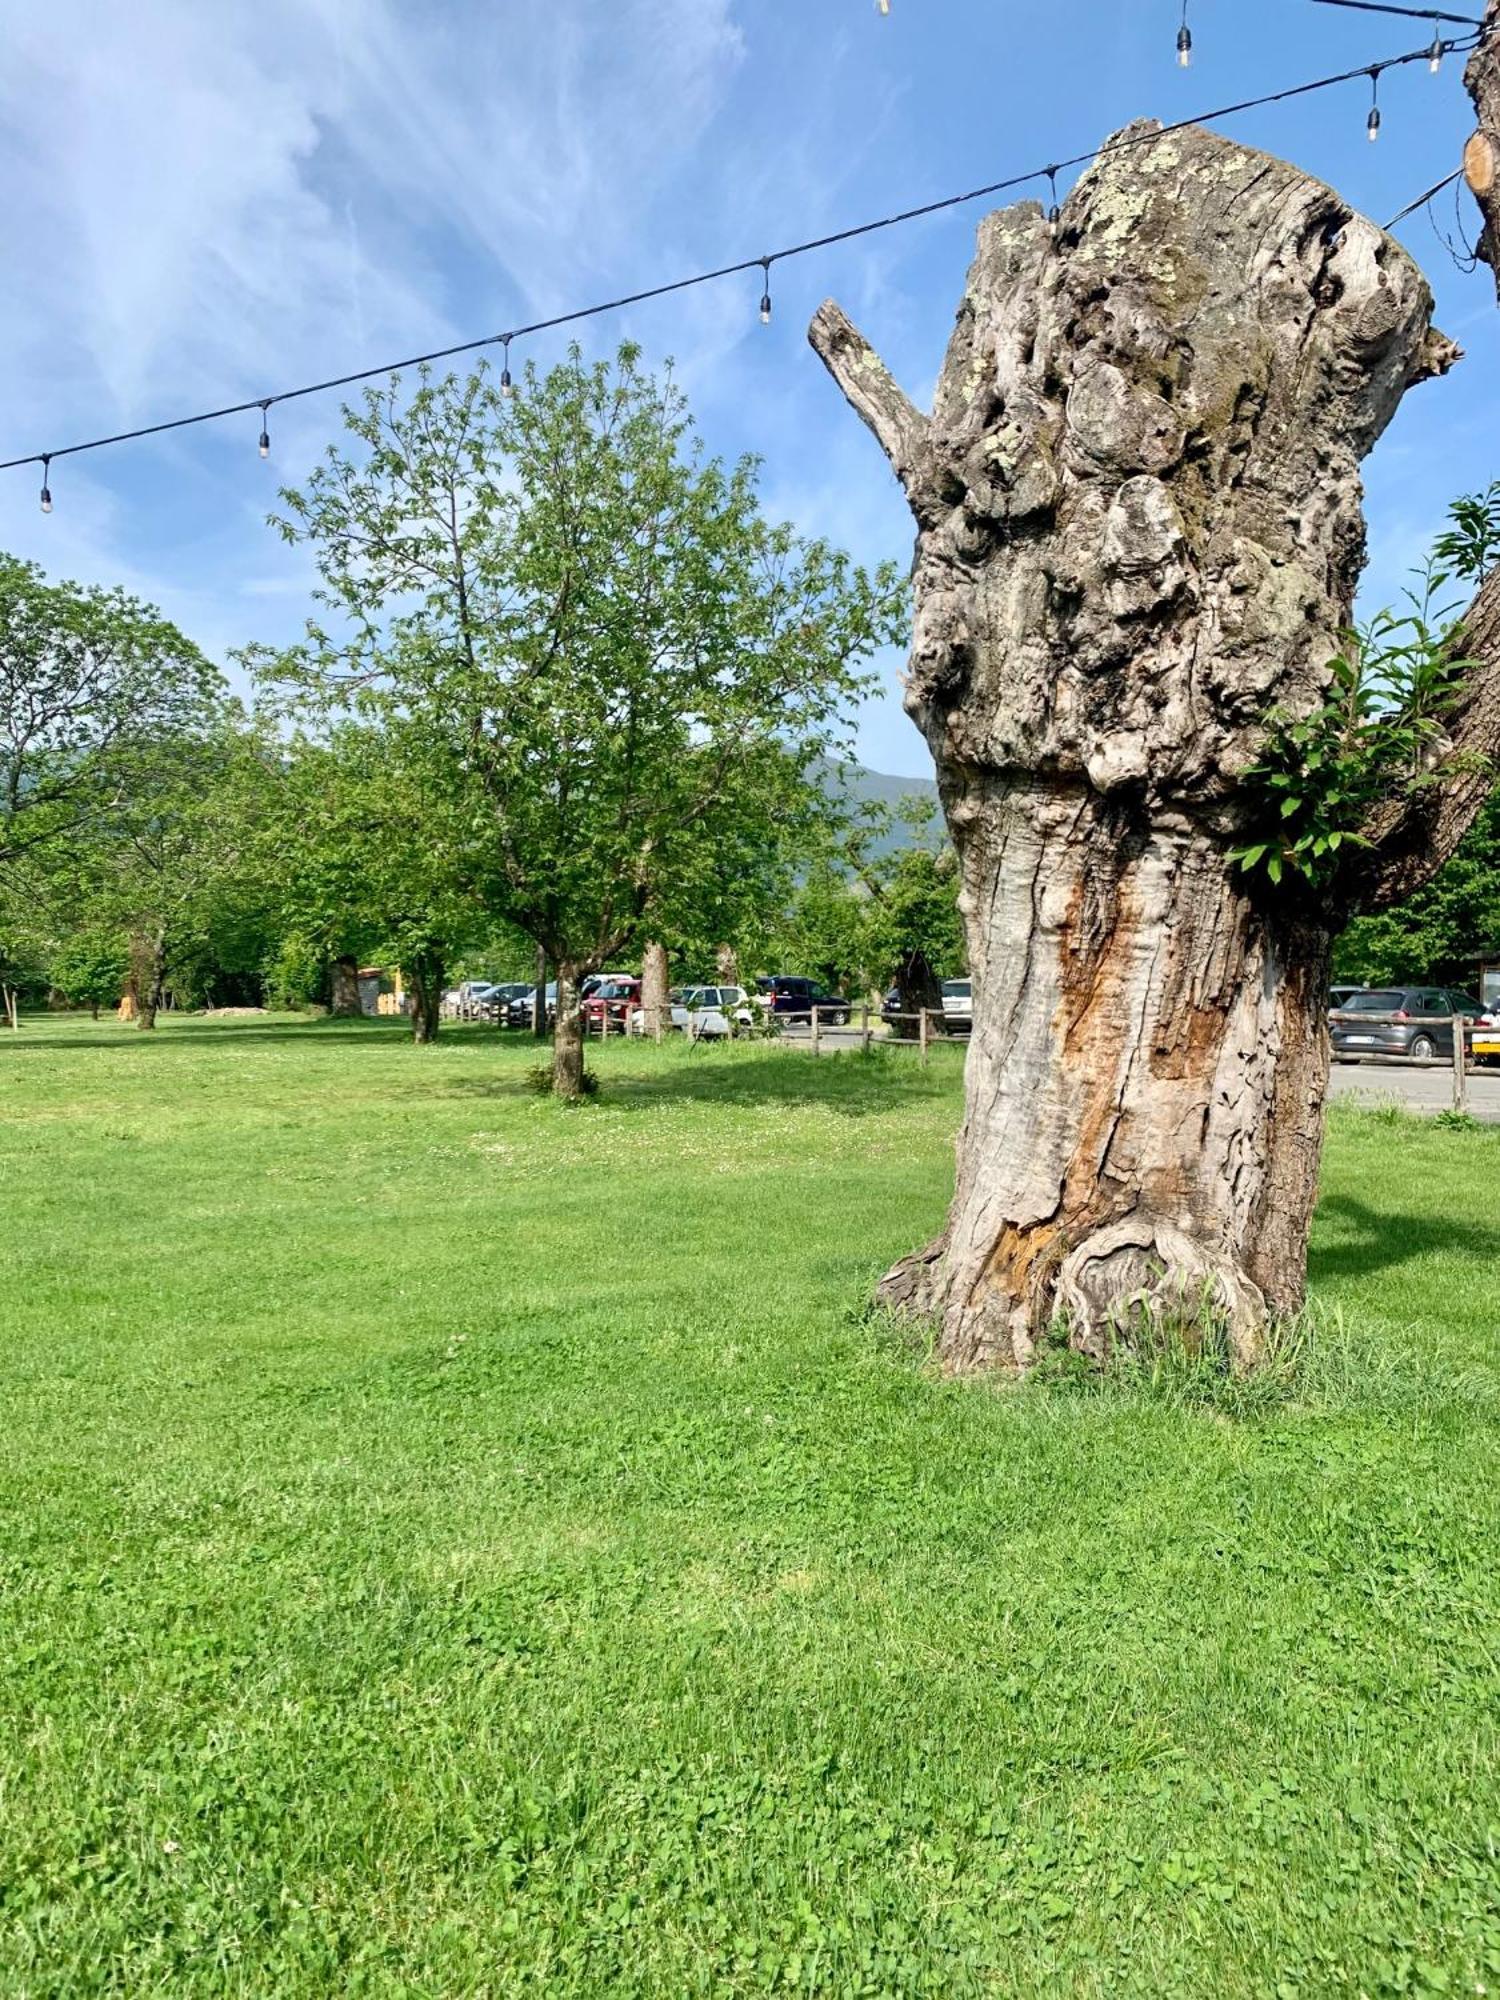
(1411, 837)
(903, 432)
(1482, 154)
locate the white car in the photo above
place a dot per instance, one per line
(470, 1000)
(958, 1006)
(705, 1013)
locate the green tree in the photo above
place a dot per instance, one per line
(913, 930)
(619, 662)
(375, 856)
(1442, 930)
(879, 906)
(165, 863)
(88, 967)
(87, 677)
(825, 928)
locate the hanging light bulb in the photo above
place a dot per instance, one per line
(46, 491)
(1184, 41)
(263, 445)
(507, 387)
(765, 297)
(883, 6)
(1054, 213)
(1435, 53)
(1372, 123)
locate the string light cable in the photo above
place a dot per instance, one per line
(1423, 199)
(1409, 13)
(1436, 50)
(1047, 174)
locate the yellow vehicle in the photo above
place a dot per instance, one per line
(1486, 1043)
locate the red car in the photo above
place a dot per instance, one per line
(615, 999)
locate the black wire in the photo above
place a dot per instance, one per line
(1469, 261)
(1423, 199)
(744, 264)
(1412, 13)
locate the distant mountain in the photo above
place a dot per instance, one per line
(855, 782)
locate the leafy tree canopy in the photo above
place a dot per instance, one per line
(1444, 930)
(621, 668)
(88, 677)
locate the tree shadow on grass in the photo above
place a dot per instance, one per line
(853, 1085)
(1371, 1240)
(123, 1036)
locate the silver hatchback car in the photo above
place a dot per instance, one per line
(1399, 1021)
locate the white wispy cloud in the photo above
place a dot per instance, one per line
(206, 203)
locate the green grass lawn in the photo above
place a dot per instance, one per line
(453, 1545)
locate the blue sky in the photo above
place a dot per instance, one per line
(207, 203)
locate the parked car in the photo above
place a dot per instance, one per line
(1337, 995)
(794, 1000)
(958, 1006)
(588, 987)
(705, 1013)
(1399, 1021)
(613, 1000)
(496, 1004)
(890, 1006)
(520, 1007)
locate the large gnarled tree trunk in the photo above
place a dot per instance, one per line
(567, 1043)
(424, 976)
(656, 996)
(344, 997)
(148, 974)
(917, 987)
(1139, 528)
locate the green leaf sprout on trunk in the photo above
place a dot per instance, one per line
(1381, 727)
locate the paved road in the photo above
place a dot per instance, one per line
(1423, 1089)
(1418, 1089)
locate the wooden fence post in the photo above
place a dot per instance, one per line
(816, 1039)
(922, 1033)
(1460, 1075)
(864, 1027)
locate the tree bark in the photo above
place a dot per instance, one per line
(567, 1045)
(424, 977)
(656, 997)
(727, 965)
(148, 967)
(1413, 833)
(1139, 530)
(539, 997)
(1482, 154)
(344, 1000)
(916, 987)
